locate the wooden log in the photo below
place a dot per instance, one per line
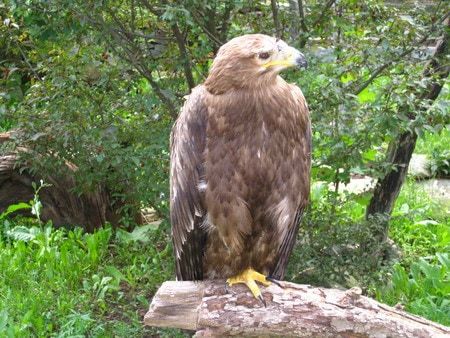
(215, 310)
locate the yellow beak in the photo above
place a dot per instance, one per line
(288, 57)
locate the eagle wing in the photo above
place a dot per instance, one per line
(303, 168)
(187, 211)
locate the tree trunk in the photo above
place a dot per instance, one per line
(295, 20)
(400, 150)
(60, 204)
(276, 20)
(388, 188)
(215, 310)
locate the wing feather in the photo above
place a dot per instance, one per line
(187, 212)
(287, 242)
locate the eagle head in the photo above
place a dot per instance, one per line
(251, 61)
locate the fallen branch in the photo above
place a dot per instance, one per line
(215, 310)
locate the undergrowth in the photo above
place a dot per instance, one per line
(67, 283)
(336, 248)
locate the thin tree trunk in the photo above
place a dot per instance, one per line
(387, 189)
(226, 19)
(301, 11)
(276, 20)
(400, 149)
(184, 57)
(295, 20)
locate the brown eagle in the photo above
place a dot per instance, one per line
(240, 166)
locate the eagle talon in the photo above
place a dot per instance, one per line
(249, 277)
(274, 281)
(262, 300)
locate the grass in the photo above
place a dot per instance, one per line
(66, 283)
(423, 288)
(432, 142)
(420, 281)
(420, 225)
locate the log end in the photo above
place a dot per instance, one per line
(176, 304)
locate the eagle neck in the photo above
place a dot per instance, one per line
(251, 104)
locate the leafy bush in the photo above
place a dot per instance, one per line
(429, 142)
(336, 247)
(70, 283)
(424, 288)
(440, 163)
(420, 226)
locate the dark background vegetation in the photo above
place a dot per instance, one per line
(98, 84)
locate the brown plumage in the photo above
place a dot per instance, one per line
(240, 164)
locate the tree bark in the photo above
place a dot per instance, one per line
(60, 204)
(301, 12)
(388, 188)
(184, 55)
(276, 20)
(400, 150)
(215, 310)
(294, 14)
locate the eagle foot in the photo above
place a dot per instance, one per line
(249, 277)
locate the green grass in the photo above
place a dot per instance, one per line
(423, 288)
(420, 281)
(431, 142)
(66, 283)
(420, 226)
(5, 124)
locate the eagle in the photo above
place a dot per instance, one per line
(240, 166)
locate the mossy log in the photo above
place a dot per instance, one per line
(213, 309)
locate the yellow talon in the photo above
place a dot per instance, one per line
(249, 277)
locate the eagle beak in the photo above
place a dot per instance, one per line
(296, 58)
(288, 57)
(300, 60)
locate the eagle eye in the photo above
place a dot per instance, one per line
(264, 55)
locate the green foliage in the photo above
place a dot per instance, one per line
(420, 226)
(72, 284)
(440, 163)
(98, 85)
(424, 288)
(433, 142)
(336, 247)
(68, 283)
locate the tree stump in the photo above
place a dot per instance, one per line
(215, 310)
(60, 203)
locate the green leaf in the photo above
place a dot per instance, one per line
(22, 233)
(15, 207)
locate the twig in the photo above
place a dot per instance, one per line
(416, 45)
(28, 63)
(184, 56)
